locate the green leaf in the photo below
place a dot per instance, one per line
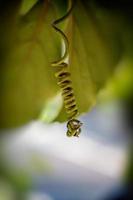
(27, 79)
(94, 52)
(120, 85)
(26, 6)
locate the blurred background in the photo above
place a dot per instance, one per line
(38, 161)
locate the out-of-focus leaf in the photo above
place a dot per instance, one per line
(27, 5)
(51, 109)
(27, 79)
(120, 86)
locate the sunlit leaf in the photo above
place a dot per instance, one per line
(95, 52)
(27, 79)
(99, 36)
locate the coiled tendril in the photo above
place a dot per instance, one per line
(64, 81)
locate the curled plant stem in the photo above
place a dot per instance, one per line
(64, 81)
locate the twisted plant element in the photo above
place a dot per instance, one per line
(64, 81)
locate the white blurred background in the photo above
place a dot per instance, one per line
(55, 167)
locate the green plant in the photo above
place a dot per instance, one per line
(100, 38)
